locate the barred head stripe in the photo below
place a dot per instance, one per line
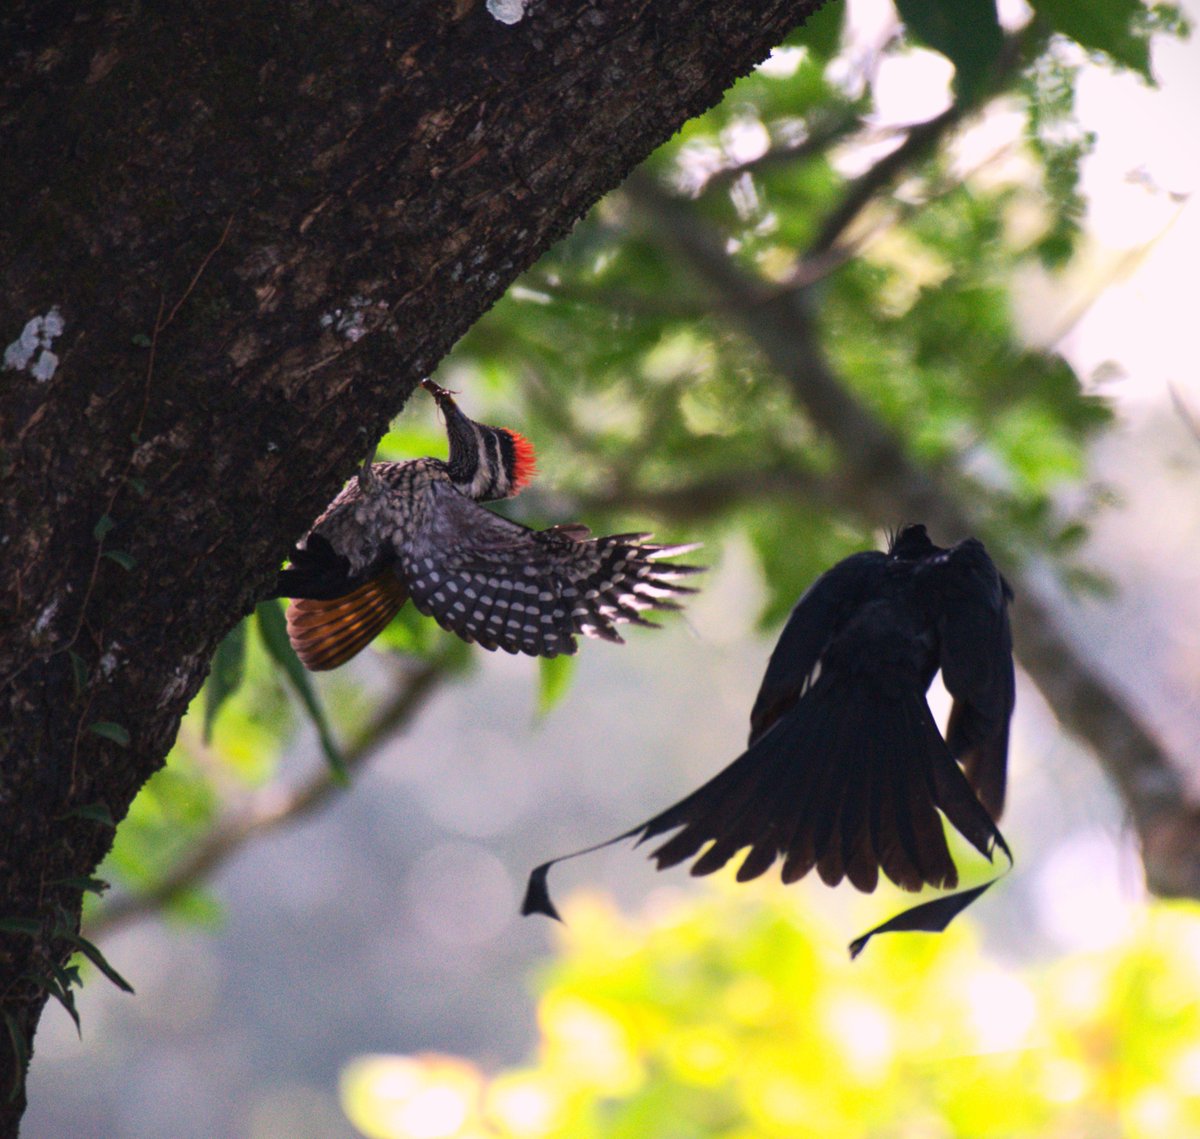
(485, 462)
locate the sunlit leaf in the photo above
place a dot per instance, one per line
(967, 32)
(726, 1014)
(1115, 27)
(554, 681)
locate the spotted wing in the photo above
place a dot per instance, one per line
(503, 585)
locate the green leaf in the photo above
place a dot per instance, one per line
(554, 679)
(124, 560)
(228, 670)
(102, 527)
(966, 32)
(195, 907)
(85, 885)
(59, 987)
(95, 812)
(93, 954)
(1116, 27)
(20, 1055)
(272, 627)
(110, 731)
(27, 926)
(79, 670)
(821, 32)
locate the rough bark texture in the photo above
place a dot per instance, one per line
(259, 225)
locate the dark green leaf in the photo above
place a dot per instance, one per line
(93, 954)
(966, 32)
(1090, 582)
(124, 560)
(60, 990)
(20, 925)
(1116, 27)
(554, 679)
(110, 731)
(228, 669)
(822, 31)
(86, 885)
(79, 670)
(139, 485)
(196, 908)
(20, 1055)
(95, 812)
(141, 340)
(102, 527)
(272, 627)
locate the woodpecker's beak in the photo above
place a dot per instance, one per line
(444, 398)
(451, 412)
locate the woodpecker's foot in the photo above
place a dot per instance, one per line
(366, 473)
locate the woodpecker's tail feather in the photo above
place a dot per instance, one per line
(327, 633)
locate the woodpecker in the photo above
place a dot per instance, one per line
(415, 530)
(846, 770)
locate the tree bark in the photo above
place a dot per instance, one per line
(234, 237)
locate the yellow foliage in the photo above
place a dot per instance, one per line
(738, 1016)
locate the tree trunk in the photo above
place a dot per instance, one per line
(234, 236)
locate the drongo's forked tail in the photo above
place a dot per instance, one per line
(845, 785)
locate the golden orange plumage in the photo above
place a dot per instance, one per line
(326, 634)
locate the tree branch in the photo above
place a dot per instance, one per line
(389, 170)
(883, 485)
(921, 141)
(821, 138)
(271, 808)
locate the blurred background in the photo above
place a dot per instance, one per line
(990, 263)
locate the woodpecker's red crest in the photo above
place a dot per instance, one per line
(416, 529)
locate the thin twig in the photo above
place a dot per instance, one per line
(270, 808)
(818, 142)
(197, 275)
(921, 141)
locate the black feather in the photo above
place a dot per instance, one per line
(846, 771)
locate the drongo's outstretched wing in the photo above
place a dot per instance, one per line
(977, 668)
(813, 622)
